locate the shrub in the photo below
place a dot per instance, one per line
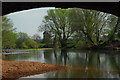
(80, 44)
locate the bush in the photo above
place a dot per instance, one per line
(71, 44)
(80, 44)
(24, 45)
(41, 45)
(31, 43)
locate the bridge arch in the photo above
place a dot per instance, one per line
(10, 7)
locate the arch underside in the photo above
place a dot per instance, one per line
(10, 7)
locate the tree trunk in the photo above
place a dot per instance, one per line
(88, 36)
(63, 43)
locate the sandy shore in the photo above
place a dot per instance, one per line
(12, 70)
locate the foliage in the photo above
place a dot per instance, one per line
(21, 39)
(41, 45)
(118, 28)
(24, 41)
(57, 23)
(37, 38)
(46, 37)
(92, 25)
(72, 27)
(24, 45)
(8, 33)
(71, 44)
(11, 39)
(31, 43)
(80, 44)
(7, 24)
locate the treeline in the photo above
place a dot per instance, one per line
(75, 27)
(12, 39)
(67, 28)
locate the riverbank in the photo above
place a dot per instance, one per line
(23, 50)
(36, 49)
(13, 70)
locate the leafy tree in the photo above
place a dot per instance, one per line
(47, 39)
(37, 38)
(24, 41)
(21, 38)
(118, 28)
(112, 27)
(31, 43)
(57, 23)
(24, 45)
(92, 25)
(9, 39)
(8, 33)
(0, 32)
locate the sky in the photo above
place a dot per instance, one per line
(27, 21)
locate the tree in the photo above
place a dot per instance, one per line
(24, 41)
(31, 43)
(0, 32)
(58, 24)
(92, 25)
(47, 38)
(118, 28)
(21, 38)
(112, 26)
(24, 45)
(8, 33)
(37, 38)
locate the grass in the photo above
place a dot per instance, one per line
(35, 48)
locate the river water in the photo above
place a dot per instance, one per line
(85, 63)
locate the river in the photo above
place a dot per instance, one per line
(84, 63)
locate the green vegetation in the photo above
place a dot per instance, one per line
(12, 39)
(58, 24)
(34, 48)
(8, 33)
(67, 28)
(85, 28)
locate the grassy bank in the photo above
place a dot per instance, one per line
(25, 49)
(35, 48)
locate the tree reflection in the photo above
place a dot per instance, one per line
(61, 56)
(64, 56)
(48, 56)
(92, 65)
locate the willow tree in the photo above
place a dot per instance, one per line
(57, 23)
(93, 25)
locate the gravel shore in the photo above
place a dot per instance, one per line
(12, 70)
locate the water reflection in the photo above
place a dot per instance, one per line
(84, 64)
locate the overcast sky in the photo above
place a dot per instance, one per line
(28, 20)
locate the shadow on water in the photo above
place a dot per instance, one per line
(84, 64)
